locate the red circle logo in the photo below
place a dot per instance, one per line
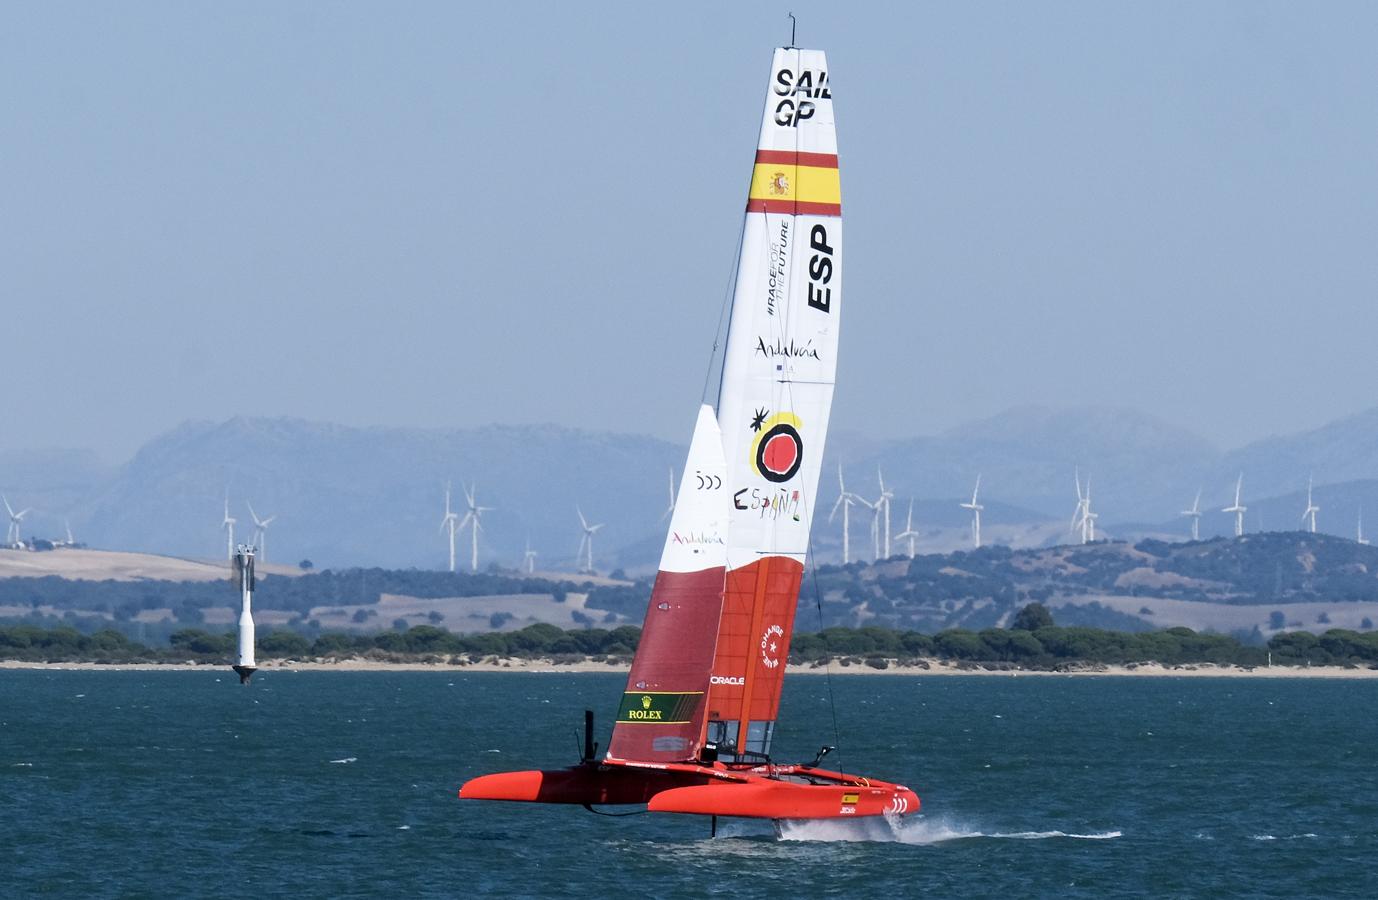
(779, 453)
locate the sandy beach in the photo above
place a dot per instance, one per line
(932, 668)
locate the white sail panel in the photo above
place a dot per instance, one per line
(781, 356)
(698, 527)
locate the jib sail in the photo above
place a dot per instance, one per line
(661, 717)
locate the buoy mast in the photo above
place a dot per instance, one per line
(244, 565)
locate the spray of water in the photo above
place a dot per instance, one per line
(914, 831)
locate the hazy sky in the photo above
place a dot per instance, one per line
(425, 214)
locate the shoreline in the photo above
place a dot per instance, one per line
(937, 668)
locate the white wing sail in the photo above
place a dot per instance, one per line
(776, 392)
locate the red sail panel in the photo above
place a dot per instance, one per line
(661, 718)
(753, 650)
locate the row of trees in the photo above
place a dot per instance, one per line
(1035, 641)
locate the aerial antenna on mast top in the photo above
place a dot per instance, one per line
(792, 23)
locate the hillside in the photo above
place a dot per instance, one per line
(1223, 584)
(1254, 586)
(110, 565)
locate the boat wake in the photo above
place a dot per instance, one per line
(915, 831)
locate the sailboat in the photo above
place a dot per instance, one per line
(695, 724)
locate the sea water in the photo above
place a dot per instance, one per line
(342, 784)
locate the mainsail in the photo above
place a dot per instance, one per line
(776, 393)
(772, 418)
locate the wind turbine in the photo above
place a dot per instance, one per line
(1361, 539)
(845, 501)
(12, 536)
(909, 531)
(529, 558)
(1195, 514)
(884, 500)
(471, 518)
(586, 540)
(1238, 508)
(975, 513)
(669, 510)
(227, 523)
(451, 522)
(1311, 508)
(1082, 515)
(260, 532)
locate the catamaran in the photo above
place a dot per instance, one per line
(695, 725)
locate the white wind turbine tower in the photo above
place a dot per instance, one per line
(1311, 508)
(845, 501)
(1195, 514)
(909, 531)
(885, 498)
(450, 522)
(16, 518)
(227, 523)
(1078, 514)
(586, 540)
(1360, 537)
(1089, 531)
(975, 513)
(669, 510)
(260, 532)
(1238, 508)
(875, 509)
(471, 518)
(529, 558)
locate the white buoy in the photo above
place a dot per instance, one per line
(244, 563)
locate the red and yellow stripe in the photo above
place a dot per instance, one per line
(795, 183)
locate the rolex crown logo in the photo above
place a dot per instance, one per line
(645, 702)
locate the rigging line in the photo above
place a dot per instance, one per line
(720, 339)
(828, 665)
(809, 556)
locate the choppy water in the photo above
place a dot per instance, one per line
(343, 784)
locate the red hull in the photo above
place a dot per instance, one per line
(764, 792)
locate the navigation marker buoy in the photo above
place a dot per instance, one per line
(244, 565)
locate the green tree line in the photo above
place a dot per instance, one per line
(1038, 644)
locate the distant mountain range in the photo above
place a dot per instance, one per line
(363, 496)
(373, 496)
